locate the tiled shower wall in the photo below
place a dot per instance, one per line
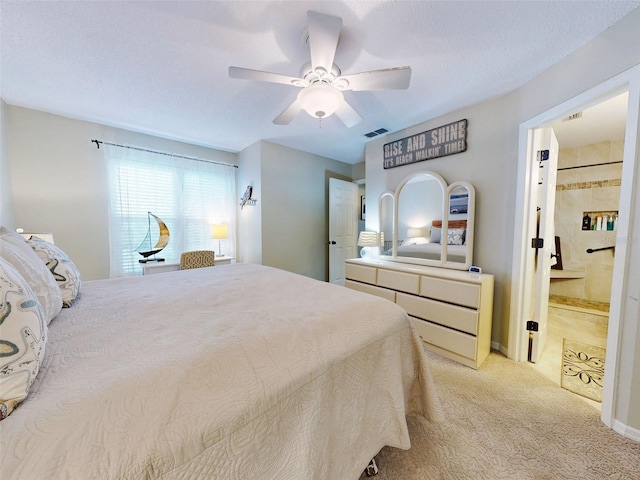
(588, 188)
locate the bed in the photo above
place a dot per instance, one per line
(433, 251)
(229, 372)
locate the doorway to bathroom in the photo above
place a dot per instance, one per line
(523, 285)
(586, 208)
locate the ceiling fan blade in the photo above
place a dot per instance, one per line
(248, 74)
(324, 31)
(288, 114)
(388, 79)
(348, 115)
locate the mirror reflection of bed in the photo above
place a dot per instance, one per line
(424, 203)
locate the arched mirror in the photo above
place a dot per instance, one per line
(433, 223)
(385, 211)
(420, 200)
(460, 228)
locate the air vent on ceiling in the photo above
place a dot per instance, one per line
(375, 133)
(575, 116)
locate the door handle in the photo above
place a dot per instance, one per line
(332, 242)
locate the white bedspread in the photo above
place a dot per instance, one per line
(433, 251)
(230, 372)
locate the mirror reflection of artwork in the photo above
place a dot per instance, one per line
(458, 203)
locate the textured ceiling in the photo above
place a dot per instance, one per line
(160, 67)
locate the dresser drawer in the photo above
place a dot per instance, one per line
(363, 287)
(460, 318)
(452, 340)
(404, 282)
(360, 273)
(460, 293)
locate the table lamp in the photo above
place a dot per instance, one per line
(368, 239)
(219, 232)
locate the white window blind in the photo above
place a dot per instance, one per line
(188, 195)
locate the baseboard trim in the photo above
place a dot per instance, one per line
(626, 431)
(498, 347)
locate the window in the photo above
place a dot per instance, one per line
(188, 195)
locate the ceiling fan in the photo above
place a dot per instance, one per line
(321, 81)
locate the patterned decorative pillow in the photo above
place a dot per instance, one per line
(15, 250)
(23, 334)
(60, 265)
(456, 236)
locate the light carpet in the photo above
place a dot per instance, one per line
(507, 421)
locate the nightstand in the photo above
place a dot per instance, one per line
(224, 260)
(159, 267)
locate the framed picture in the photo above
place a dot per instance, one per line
(362, 207)
(459, 203)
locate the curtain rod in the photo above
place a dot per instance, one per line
(98, 142)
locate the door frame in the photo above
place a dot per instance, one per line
(540, 263)
(521, 281)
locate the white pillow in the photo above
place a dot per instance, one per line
(15, 250)
(65, 273)
(23, 335)
(456, 236)
(436, 235)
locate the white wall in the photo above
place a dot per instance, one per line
(58, 180)
(491, 162)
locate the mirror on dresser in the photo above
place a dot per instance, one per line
(386, 206)
(419, 201)
(460, 225)
(432, 223)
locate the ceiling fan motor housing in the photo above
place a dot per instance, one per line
(319, 74)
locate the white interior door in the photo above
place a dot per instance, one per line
(343, 226)
(546, 169)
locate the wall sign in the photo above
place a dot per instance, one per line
(438, 142)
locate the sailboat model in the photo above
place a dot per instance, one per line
(145, 249)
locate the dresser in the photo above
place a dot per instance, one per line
(451, 309)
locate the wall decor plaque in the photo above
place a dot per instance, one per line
(438, 142)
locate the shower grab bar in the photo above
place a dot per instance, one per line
(591, 250)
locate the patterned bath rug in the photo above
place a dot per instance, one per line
(583, 369)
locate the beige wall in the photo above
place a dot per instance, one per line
(581, 188)
(487, 165)
(288, 227)
(491, 165)
(58, 180)
(6, 203)
(250, 217)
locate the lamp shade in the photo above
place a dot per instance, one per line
(218, 231)
(320, 100)
(368, 239)
(416, 232)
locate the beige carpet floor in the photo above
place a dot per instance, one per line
(507, 421)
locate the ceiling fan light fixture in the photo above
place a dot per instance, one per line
(320, 100)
